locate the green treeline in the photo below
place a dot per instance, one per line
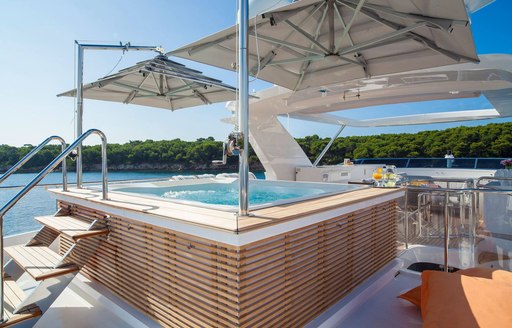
(492, 140)
(173, 155)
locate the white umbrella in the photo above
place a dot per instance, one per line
(158, 82)
(318, 42)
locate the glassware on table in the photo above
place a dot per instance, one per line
(389, 178)
(377, 175)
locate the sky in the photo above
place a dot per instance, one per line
(37, 52)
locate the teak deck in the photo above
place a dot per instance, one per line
(38, 261)
(13, 296)
(285, 280)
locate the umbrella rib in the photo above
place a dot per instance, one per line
(286, 44)
(161, 77)
(156, 83)
(413, 36)
(330, 12)
(441, 23)
(306, 65)
(349, 25)
(359, 56)
(130, 97)
(377, 41)
(308, 36)
(202, 97)
(119, 84)
(187, 86)
(269, 56)
(295, 60)
(266, 60)
(431, 45)
(143, 80)
(317, 32)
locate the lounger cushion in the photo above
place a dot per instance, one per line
(451, 300)
(414, 295)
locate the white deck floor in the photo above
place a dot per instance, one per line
(384, 309)
(375, 303)
(88, 304)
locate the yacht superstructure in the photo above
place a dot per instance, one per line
(118, 257)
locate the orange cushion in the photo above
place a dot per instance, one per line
(414, 295)
(450, 300)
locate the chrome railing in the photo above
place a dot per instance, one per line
(468, 221)
(32, 153)
(49, 168)
(503, 183)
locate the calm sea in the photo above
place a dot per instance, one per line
(39, 202)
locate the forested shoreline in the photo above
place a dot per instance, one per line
(492, 140)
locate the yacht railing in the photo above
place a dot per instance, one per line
(436, 162)
(32, 153)
(49, 168)
(475, 219)
(501, 181)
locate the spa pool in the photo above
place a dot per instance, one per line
(223, 193)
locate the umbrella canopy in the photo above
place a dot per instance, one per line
(158, 82)
(317, 42)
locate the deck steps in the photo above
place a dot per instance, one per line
(70, 226)
(13, 297)
(39, 261)
(53, 271)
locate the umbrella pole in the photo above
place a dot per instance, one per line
(243, 106)
(79, 89)
(79, 110)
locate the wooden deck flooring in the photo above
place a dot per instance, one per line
(38, 261)
(13, 296)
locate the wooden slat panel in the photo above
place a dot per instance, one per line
(45, 237)
(286, 280)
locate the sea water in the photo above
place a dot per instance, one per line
(38, 201)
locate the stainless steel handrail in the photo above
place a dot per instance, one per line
(49, 168)
(31, 154)
(480, 185)
(472, 191)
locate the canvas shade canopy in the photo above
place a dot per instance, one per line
(311, 43)
(158, 82)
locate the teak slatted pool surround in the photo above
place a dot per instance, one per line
(286, 280)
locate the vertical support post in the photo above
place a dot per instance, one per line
(243, 106)
(79, 109)
(406, 217)
(104, 167)
(446, 229)
(64, 169)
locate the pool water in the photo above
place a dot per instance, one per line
(260, 191)
(227, 194)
